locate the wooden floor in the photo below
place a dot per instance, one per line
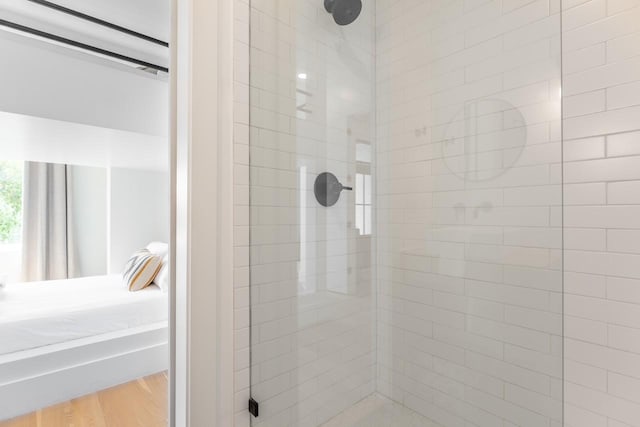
(141, 403)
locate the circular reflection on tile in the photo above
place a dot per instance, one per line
(484, 139)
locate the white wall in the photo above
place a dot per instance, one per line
(11, 262)
(139, 212)
(150, 17)
(601, 41)
(88, 208)
(116, 212)
(65, 106)
(42, 80)
(30, 138)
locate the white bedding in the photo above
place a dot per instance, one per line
(36, 314)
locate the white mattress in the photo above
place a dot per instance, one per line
(36, 314)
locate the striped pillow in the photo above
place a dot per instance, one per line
(141, 269)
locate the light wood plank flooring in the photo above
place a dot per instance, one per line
(140, 403)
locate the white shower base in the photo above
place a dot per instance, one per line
(378, 411)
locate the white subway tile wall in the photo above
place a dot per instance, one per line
(469, 202)
(601, 51)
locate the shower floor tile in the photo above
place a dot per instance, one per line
(378, 411)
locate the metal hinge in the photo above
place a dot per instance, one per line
(253, 407)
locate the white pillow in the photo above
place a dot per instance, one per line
(158, 248)
(162, 278)
(141, 269)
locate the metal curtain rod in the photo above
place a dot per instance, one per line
(80, 45)
(99, 21)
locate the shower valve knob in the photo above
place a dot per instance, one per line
(327, 189)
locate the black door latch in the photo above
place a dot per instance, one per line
(254, 408)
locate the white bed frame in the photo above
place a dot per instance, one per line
(37, 378)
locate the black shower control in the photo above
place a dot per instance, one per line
(327, 189)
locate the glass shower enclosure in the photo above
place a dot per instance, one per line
(406, 213)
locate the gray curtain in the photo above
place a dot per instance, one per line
(48, 250)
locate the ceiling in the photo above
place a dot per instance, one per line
(149, 17)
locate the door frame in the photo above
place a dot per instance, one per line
(201, 255)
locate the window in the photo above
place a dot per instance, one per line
(10, 201)
(11, 175)
(363, 204)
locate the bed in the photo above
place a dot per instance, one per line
(61, 339)
(36, 314)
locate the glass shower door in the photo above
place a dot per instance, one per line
(311, 150)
